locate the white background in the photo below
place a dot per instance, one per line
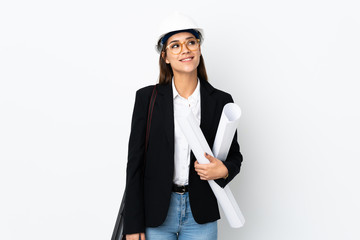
(68, 75)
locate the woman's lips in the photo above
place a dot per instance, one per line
(188, 59)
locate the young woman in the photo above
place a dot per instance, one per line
(167, 195)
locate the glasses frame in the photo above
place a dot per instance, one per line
(181, 46)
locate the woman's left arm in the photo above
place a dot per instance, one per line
(221, 171)
(232, 163)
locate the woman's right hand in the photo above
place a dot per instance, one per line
(135, 236)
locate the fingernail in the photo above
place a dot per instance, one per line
(206, 154)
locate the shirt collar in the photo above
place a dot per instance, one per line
(194, 95)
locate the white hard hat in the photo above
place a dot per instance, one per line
(176, 22)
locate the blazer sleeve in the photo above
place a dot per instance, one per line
(134, 219)
(233, 160)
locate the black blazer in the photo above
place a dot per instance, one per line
(148, 188)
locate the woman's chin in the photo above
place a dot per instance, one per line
(185, 70)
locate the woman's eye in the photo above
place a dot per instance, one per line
(174, 46)
(192, 42)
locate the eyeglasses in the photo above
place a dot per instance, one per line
(176, 47)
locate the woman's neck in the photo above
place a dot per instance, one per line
(185, 84)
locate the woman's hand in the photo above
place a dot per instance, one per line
(211, 171)
(135, 236)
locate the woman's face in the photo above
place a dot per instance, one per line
(186, 61)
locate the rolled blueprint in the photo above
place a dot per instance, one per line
(199, 146)
(229, 121)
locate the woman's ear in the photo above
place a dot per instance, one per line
(165, 58)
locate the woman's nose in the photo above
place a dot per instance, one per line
(184, 48)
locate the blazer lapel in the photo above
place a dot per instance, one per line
(208, 106)
(166, 106)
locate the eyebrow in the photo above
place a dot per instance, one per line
(179, 41)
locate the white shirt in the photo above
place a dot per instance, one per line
(182, 149)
